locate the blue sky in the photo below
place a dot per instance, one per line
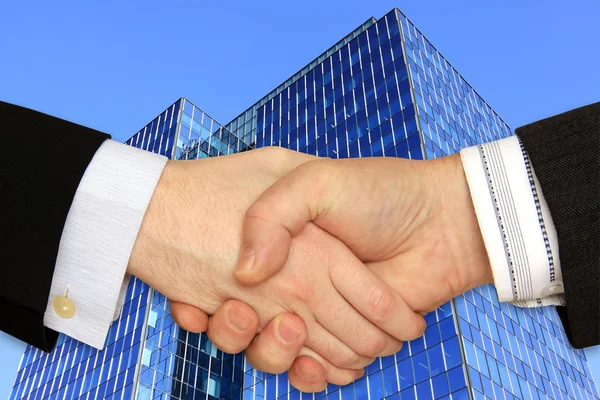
(115, 65)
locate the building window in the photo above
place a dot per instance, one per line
(146, 356)
(214, 386)
(152, 319)
(143, 392)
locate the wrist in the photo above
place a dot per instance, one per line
(461, 223)
(142, 262)
(171, 250)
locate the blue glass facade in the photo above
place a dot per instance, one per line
(510, 352)
(383, 90)
(74, 370)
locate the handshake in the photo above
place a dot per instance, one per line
(311, 265)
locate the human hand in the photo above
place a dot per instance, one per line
(412, 221)
(189, 241)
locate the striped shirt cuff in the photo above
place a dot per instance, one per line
(515, 223)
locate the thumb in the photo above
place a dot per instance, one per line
(278, 215)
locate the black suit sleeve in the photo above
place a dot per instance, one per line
(565, 154)
(43, 159)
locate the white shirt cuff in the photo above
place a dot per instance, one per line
(98, 238)
(515, 223)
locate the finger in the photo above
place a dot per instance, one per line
(233, 326)
(353, 329)
(347, 298)
(189, 317)
(276, 347)
(306, 370)
(376, 301)
(307, 375)
(332, 349)
(279, 214)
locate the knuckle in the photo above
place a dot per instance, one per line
(324, 164)
(382, 304)
(323, 168)
(319, 170)
(258, 212)
(274, 152)
(372, 346)
(303, 291)
(278, 155)
(391, 348)
(340, 376)
(346, 359)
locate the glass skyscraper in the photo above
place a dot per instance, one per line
(383, 90)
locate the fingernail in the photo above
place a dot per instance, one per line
(287, 332)
(246, 261)
(239, 320)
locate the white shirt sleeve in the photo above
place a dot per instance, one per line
(515, 223)
(98, 238)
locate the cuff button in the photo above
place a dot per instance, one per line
(64, 307)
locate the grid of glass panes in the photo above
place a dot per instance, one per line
(159, 349)
(358, 103)
(244, 125)
(209, 373)
(159, 135)
(200, 136)
(452, 115)
(74, 370)
(426, 368)
(520, 353)
(177, 364)
(511, 352)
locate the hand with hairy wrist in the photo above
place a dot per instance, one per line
(188, 246)
(411, 222)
